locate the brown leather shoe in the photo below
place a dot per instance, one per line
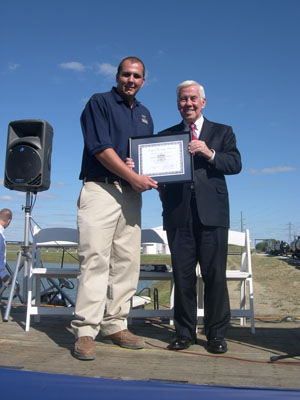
(126, 339)
(84, 348)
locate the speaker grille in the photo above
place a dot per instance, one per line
(23, 165)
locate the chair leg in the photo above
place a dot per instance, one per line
(129, 319)
(251, 306)
(29, 300)
(172, 287)
(200, 300)
(243, 302)
(37, 317)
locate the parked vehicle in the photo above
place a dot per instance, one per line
(295, 248)
(279, 248)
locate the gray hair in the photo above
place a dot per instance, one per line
(190, 83)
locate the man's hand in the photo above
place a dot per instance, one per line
(199, 146)
(141, 183)
(113, 163)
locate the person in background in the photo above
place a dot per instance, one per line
(196, 218)
(109, 213)
(5, 219)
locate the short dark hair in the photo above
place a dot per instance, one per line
(5, 215)
(132, 60)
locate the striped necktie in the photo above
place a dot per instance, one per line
(193, 130)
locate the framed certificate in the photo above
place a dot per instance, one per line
(164, 157)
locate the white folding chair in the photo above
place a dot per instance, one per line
(242, 275)
(66, 238)
(48, 238)
(155, 313)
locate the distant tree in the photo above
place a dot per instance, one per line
(262, 247)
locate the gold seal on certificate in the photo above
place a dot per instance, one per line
(164, 157)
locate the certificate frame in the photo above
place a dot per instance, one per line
(164, 157)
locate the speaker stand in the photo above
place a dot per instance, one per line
(23, 255)
(17, 287)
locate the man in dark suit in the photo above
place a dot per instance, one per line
(196, 218)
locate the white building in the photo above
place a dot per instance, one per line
(154, 241)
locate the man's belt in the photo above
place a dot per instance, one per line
(107, 179)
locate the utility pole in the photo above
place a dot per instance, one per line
(242, 222)
(290, 231)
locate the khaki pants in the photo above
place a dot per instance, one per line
(109, 219)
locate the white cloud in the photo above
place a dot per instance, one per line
(273, 170)
(106, 69)
(47, 195)
(13, 67)
(84, 100)
(149, 79)
(73, 65)
(58, 184)
(6, 198)
(61, 214)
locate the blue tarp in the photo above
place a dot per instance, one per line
(19, 384)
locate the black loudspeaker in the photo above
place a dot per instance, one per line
(28, 155)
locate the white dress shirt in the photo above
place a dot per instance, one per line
(199, 124)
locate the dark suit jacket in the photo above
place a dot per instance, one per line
(209, 181)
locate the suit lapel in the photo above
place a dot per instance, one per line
(205, 131)
(180, 127)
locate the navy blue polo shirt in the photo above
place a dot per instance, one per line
(108, 122)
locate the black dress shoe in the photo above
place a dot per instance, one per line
(181, 343)
(217, 346)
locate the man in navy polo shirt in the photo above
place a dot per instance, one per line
(109, 213)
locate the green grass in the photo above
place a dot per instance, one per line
(163, 288)
(70, 257)
(51, 256)
(155, 259)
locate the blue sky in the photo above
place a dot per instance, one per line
(55, 55)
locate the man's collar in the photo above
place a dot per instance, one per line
(198, 124)
(120, 99)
